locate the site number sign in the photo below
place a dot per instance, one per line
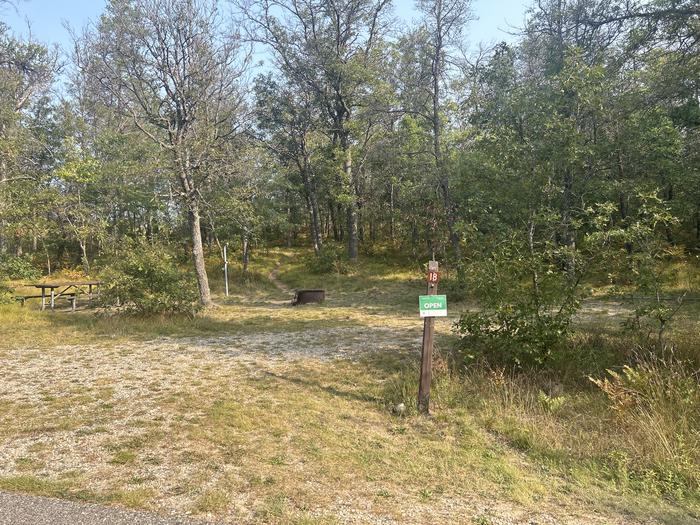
(433, 277)
(432, 305)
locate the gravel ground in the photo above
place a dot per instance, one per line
(17, 509)
(134, 384)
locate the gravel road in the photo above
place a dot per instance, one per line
(17, 509)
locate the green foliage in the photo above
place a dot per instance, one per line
(527, 287)
(512, 334)
(637, 255)
(5, 293)
(658, 402)
(528, 283)
(22, 267)
(330, 260)
(145, 279)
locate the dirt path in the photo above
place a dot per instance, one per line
(279, 284)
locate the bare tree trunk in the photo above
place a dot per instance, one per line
(246, 252)
(84, 257)
(352, 233)
(315, 223)
(414, 238)
(312, 203)
(391, 215)
(289, 241)
(352, 206)
(193, 220)
(341, 228)
(334, 221)
(3, 178)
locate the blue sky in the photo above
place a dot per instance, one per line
(47, 16)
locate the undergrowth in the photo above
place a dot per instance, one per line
(604, 411)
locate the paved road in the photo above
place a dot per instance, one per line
(18, 509)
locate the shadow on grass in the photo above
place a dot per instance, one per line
(233, 318)
(329, 389)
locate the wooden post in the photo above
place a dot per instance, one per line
(53, 299)
(43, 299)
(246, 252)
(226, 269)
(426, 361)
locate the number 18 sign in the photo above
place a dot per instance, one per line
(432, 305)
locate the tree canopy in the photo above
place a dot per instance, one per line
(561, 147)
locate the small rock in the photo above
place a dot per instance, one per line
(400, 409)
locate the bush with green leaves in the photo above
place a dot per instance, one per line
(15, 268)
(330, 260)
(146, 279)
(513, 334)
(527, 296)
(527, 281)
(637, 255)
(18, 267)
(5, 292)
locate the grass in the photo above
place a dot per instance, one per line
(256, 412)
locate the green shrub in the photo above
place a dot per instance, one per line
(145, 279)
(5, 293)
(453, 282)
(330, 260)
(13, 267)
(512, 334)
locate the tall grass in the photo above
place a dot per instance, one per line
(594, 419)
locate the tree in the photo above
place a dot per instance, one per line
(291, 121)
(174, 68)
(444, 22)
(332, 49)
(27, 68)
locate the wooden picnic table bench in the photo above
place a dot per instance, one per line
(67, 290)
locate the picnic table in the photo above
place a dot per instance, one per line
(66, 289)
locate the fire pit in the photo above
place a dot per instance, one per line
(308, 296)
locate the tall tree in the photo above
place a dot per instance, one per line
(174, 67)
(332, 48)
(444, 21)
(27, 70)
(290, 120)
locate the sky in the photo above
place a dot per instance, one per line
(46, 18)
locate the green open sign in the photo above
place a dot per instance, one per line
(432, 305)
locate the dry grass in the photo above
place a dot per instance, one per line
(222, 428)
(256, 412)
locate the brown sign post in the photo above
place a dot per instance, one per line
(426, 362)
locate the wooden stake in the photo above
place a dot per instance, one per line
(426, 361)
